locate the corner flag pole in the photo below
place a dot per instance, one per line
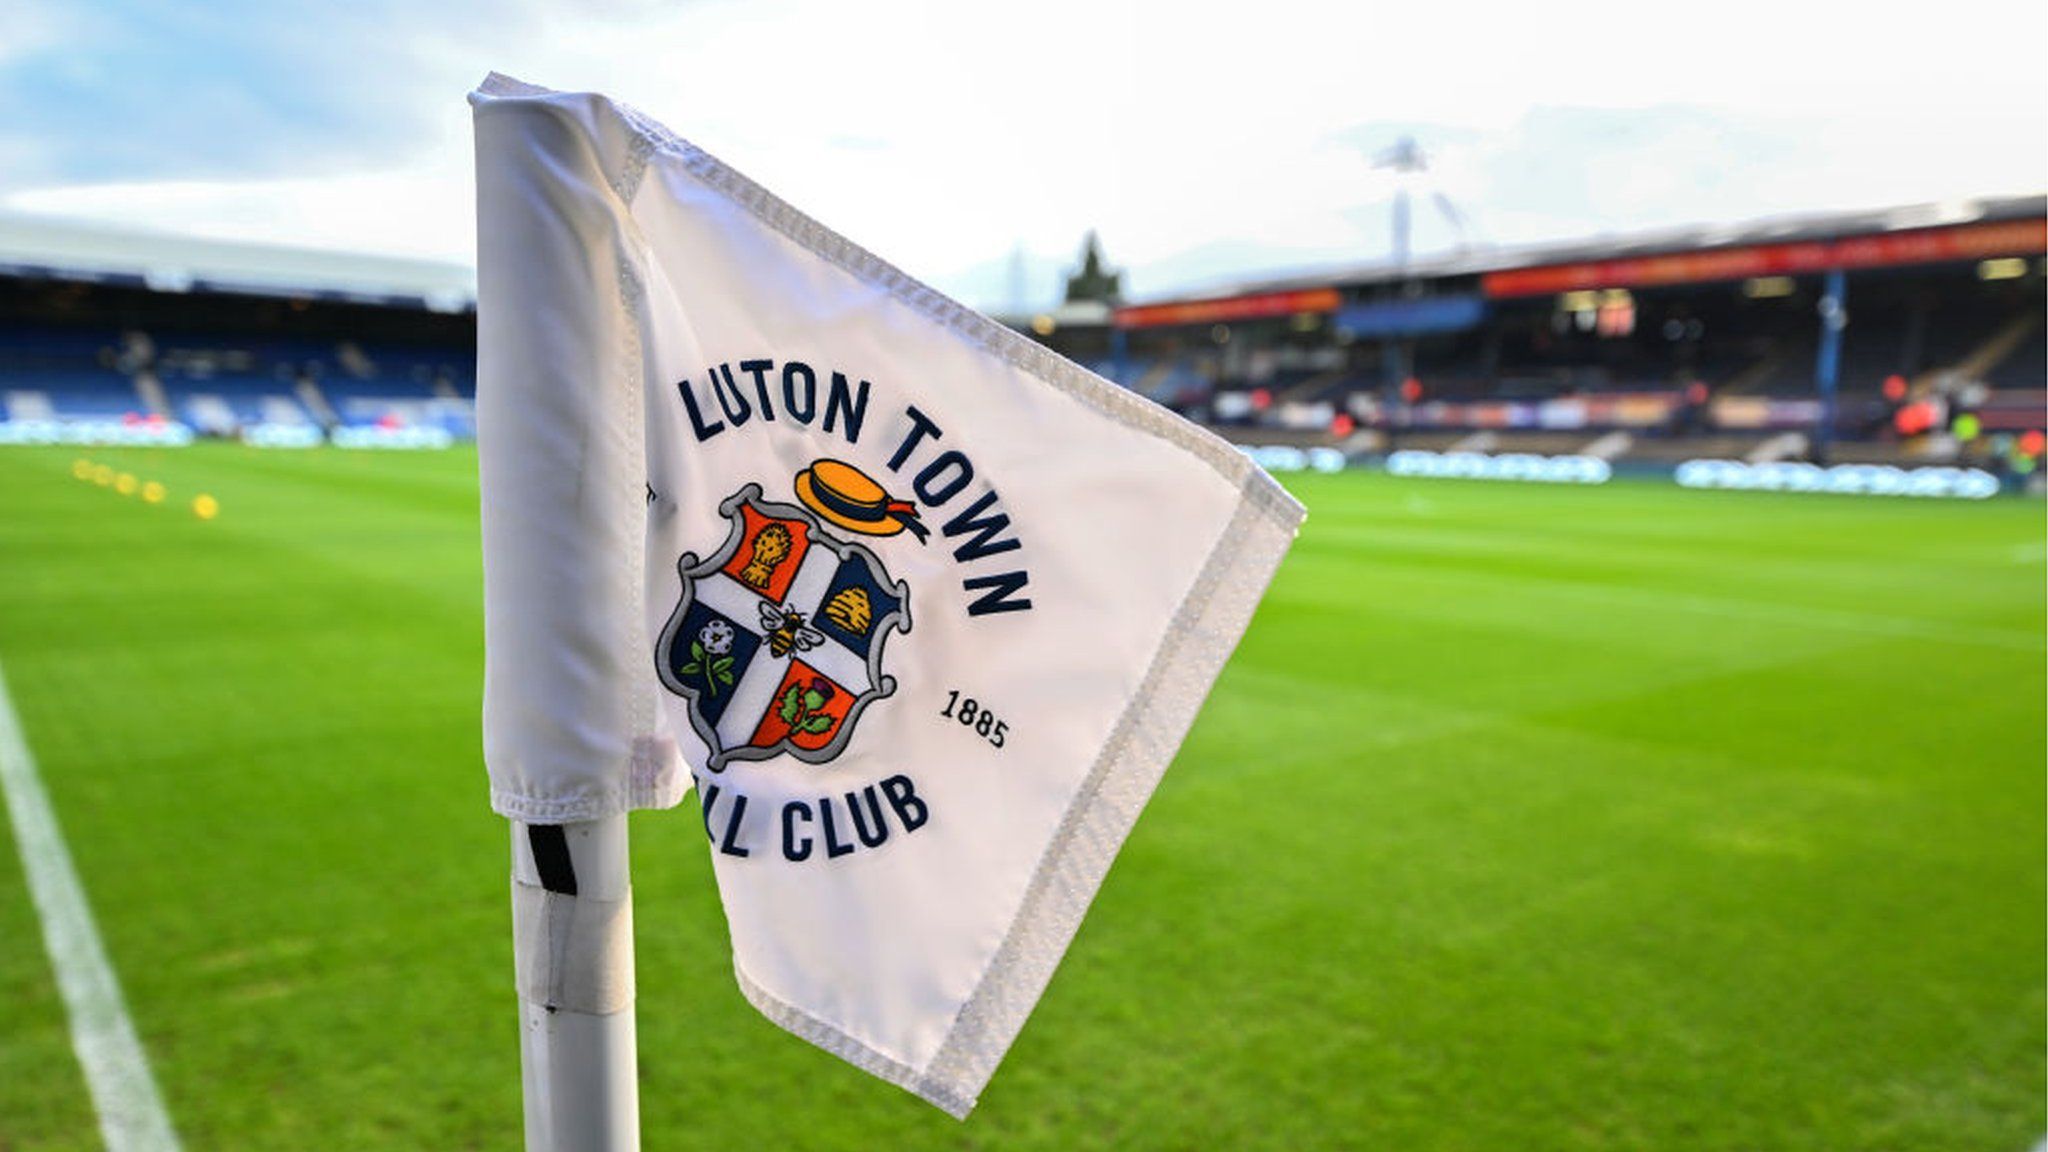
(572, 934)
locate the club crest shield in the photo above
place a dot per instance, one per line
(777, 641)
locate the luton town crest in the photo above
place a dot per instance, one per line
(777, 641)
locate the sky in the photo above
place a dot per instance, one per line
(975, 144)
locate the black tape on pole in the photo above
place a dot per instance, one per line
(551, 857)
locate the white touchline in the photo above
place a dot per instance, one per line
(132, 1117)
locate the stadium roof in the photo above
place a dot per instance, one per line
(1690, 238)
(46, 247)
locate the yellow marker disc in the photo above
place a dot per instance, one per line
(126, 484)
(153, 492)
(82, 469)
(205, 507)
(102, 475)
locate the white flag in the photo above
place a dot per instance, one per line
(924, 608)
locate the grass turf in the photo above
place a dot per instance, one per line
(1617, 818)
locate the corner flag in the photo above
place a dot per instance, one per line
(921, 609)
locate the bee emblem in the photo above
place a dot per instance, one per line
(787, 631)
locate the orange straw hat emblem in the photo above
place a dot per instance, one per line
(850, 498)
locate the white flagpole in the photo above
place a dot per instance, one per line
(572, 930)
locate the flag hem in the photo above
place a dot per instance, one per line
(818, 1033)
(652, 782)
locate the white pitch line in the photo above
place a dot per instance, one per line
(132, 1117)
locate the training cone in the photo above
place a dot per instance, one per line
(153, 492)
(205, 507)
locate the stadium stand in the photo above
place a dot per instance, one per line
(1683, 344)
(219, 387)
(228, 340)
(55, 373)
(1645, 351)
(394, 385)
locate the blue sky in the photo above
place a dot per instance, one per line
(966, 142)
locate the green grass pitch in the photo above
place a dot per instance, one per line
(1533, 818)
